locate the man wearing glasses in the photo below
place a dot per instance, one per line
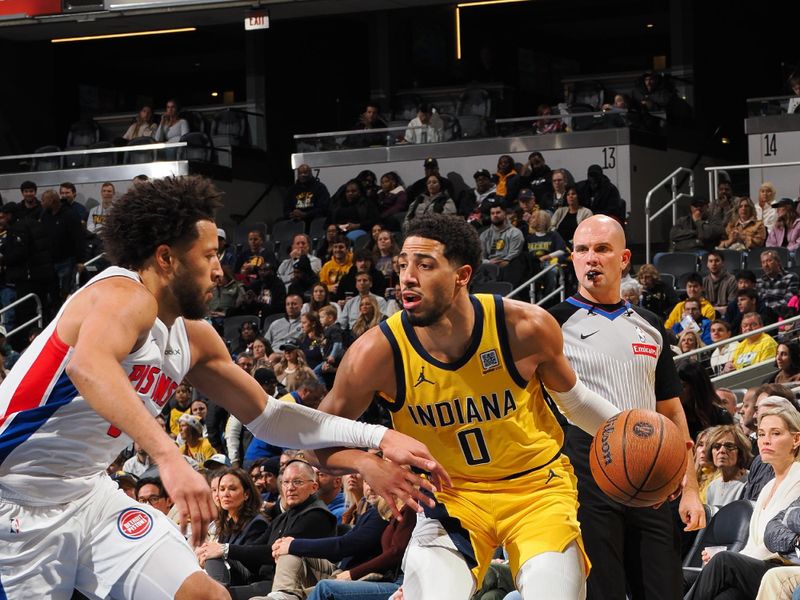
(150, 490)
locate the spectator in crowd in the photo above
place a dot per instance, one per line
(657, 296)
(427, 127)
(719, 286)
(182, 405)
(260, 351)
(13, 261)
(97, 215)
(747, 300)
(310, 342)
(356, 213)
(307, 198)
(776, 286)
(786, 231)
(324, 247)
(194, 444)
(729, 450)
(286, 328)
(150, 490)
(757, 348)
(199, 409)
(507, 180)
(227, 296)
(721, 330)
(392, 197)
(693, 320)
(355, 501)
(764, 211)
(744, 231)
(255, 255)
(265, 294)
(352, 306)
(369, 119)
(690, 340)
(338, 266)
(567, 218)
(264, 474)
(332, 343)
(794, 85)
(780, 536)
(226, 253)
(740, 573)
(476, 203)
(652, 93)
(330, 492)
(537, 176)
(142, 126)
(69, 195)
(301, 246)
(436, 199)
(369, 315)
(601, 196)
(728, 401)
(172, 127)
(385, 249)
(419, 187)
(362, 262)
(291, 363)
(723, 204)
(699, 400)
(694, 291)
(542, 243)
(30, 207)
(527, 206)
(319, 298)
(787, 359)
(631, 292)
(138, 463)
(704, 469)
(248, 332)
(547, 125)
(502, 242)
(557, 196)
(697, 231)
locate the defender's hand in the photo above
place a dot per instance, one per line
(405, 450)
(191, 495)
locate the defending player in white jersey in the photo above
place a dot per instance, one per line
(94, 379)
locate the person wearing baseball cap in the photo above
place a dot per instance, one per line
(216, 462)
(698, 231)
(225, 252)
(431, 167)
(476, 203)
(786, 231)
(195, 445)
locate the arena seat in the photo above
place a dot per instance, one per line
(229, 128)
(47, 163)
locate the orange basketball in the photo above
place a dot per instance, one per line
(638, 457)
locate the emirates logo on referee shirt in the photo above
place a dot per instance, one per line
(645, 349)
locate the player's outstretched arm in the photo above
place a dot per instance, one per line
(536, 339)
(104, 324)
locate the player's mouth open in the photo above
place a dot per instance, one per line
(411, 299)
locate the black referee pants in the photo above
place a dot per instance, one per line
(730, 576)
(633, 550)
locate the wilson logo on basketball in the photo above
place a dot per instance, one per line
(646, 349)
(643, 429)
(134, 523)
(605, 448)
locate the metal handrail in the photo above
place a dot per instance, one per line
(531, 280)
(137, 148)
(306, 136)
(673, 203)
(37, 319)
(736, 338)
(713, 172)
(560, 115)
(91, 261)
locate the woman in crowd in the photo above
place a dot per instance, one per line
(290, 364)
(142, 126)
(354, 499)
(704, 469)
(311, 338)
(786, 232)
(764, 211)
(689, 340)
(356, 213)
(738, 574)
(721, 330)
(199, 409)
(261, 350)
(744, 230)
(728, 450)
(194, 444)
(325, 244)
(434, 200)
(787, 359)
(542, 126)
(369, 315)
(392, 197)
(238, 522)
(319, 298)
(657, 296)
(385, 249)
(248, 332)
(372, 243)
(699, 400)
(171, 128)
(567, 218)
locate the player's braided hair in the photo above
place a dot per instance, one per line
(462, 246)
(156, 212)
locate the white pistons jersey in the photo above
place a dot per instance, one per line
(53, 445)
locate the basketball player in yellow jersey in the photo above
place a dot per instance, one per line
(464, 374)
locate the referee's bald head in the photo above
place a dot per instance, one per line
(599, 257)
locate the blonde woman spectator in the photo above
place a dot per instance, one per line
(369, 315)
(142, 126)
(786, 231)
(764, 211)
(744, 231)
(290, 364)
(704, 469)
(385, 249)
(728, 450)
(689, 340)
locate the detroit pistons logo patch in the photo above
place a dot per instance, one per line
(134, 524)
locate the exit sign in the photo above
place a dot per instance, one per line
(256, 19)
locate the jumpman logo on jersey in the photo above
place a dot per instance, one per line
(422, 379)
(551, 475)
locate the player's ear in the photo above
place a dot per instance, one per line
(463, 275)
(164, 257)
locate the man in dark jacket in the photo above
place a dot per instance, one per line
(41, 275)
(698, 230)
(30, 205)
(431, 166)
(67, 240)
(307, 199)
(597, 193)
(13, 261)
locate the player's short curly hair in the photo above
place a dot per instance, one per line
(462, 246)
(156, 212)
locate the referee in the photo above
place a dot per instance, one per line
(618, 352)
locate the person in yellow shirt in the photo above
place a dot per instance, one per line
(694, 291)
(338, 266)
(755, 349)
(194, 444)
(183, 403)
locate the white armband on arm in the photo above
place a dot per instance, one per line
(587, 409)
(290, 425)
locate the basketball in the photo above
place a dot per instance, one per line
(638, 458)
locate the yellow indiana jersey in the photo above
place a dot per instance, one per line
(477, 415)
